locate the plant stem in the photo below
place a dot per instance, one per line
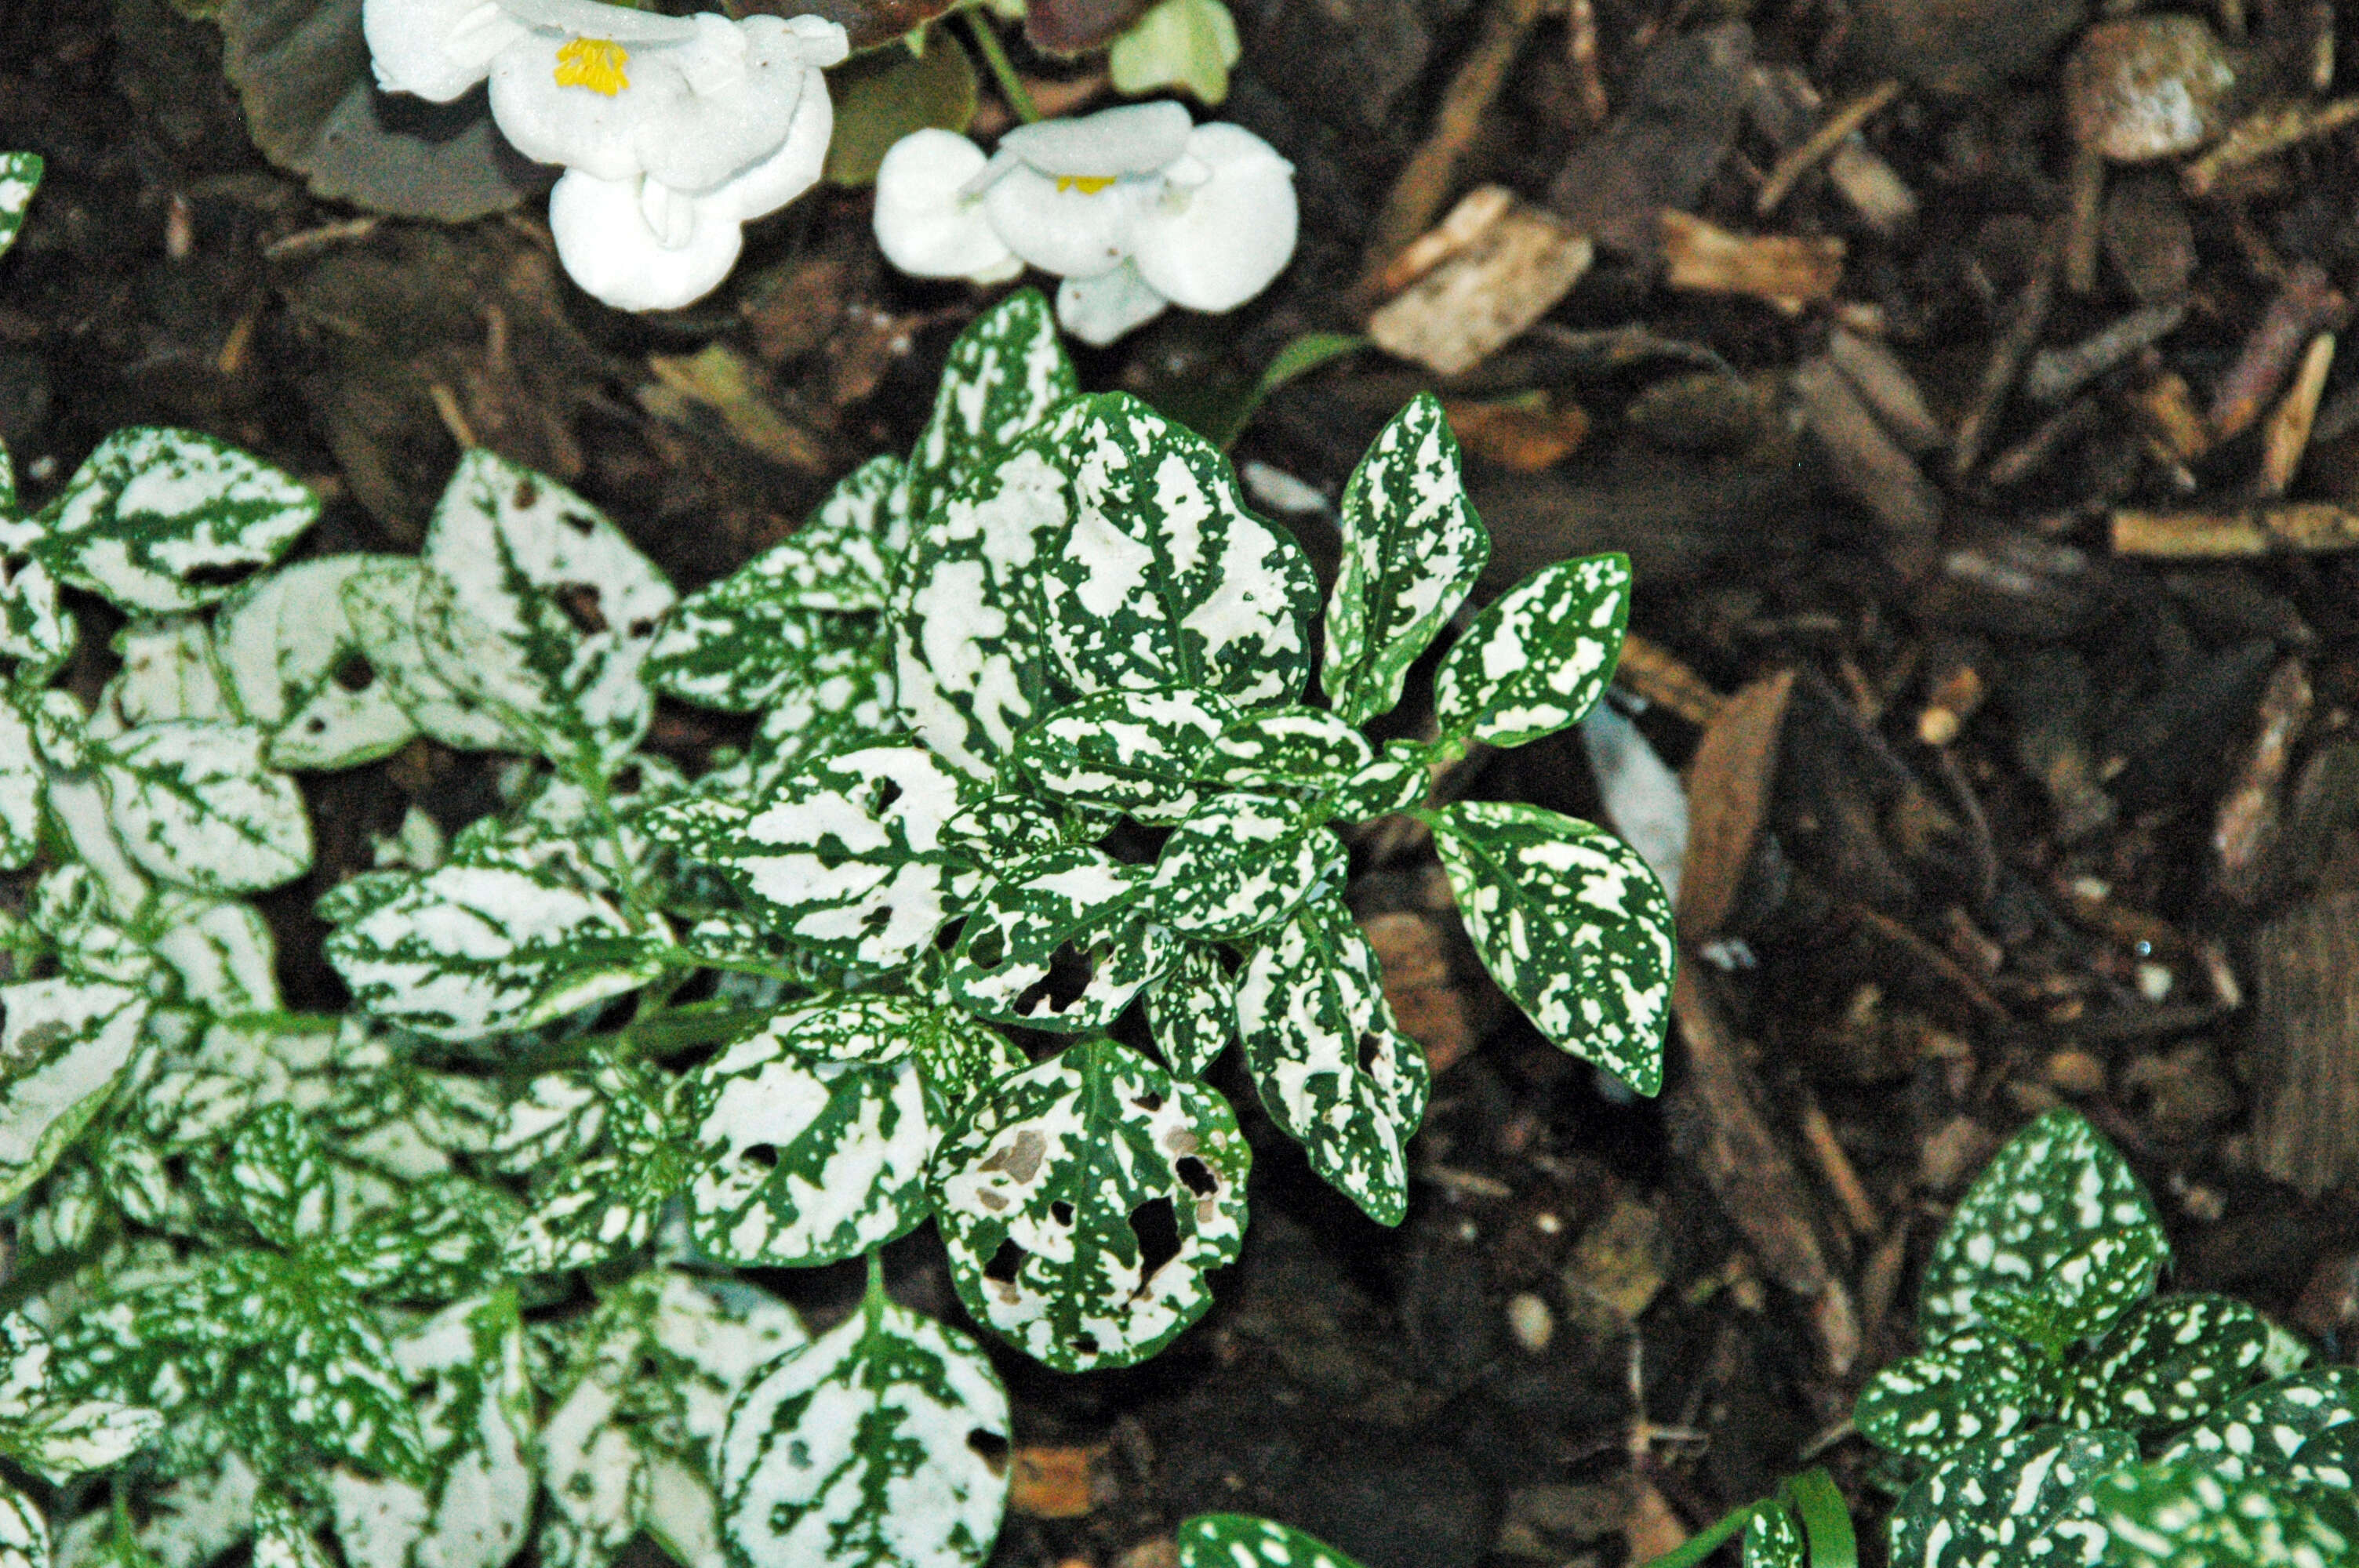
(1003, 69)
(1700, 1547)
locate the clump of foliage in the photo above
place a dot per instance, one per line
(1033, 824)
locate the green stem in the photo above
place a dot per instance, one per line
(673, 1030)
(1003, 69)
(1700, 1547)
(680, 958)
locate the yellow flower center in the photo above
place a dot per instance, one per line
(1087, 184)
(593, 64)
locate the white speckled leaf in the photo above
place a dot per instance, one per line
(1538, 658)
(1774, 1539)
(1145, 753)
(1572, 925)
(1412, 546)
(282, 1539)
(63, 1044)
(68, 1438)
(1399, 779)
(596, 1210)
(873, 1446)
(2084, 1292)
(836, 561)
(747, 656)
(1332, 1067)
(2328, 1462)
(846, 857)
(1974, 1388)
(2187, 1515)
(1191, 1011)
(1982, 1505)
(159, 520)
(1241, 863)
(2260, 1432)
(276, 1176)
(24, 1533)
(195, 804)
(2170, 1362)
(1240, 1541)
(20, 175)
(299, 667)
(37, 631)
(1002, 829)
(842, 700)
(21, 776)
(1291, 748)
(537, 607)
(2056, 1186)
(1044, 1189)
(1002, 377)
(1060, 942)
(338, 1384)
(168, 671)
(381, 603)
(469, 951)
(222, 951)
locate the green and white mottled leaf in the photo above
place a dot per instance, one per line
(24, 1533)
(1774, 1539)
(840, 703)
(338, 1384)
(20, 175)
(1332, 1067)
(1003, 828)
(1147, 754)
(1412, 547)
(1974, 1388)
(742, 658)
(2329, 1461)
(1191, 1011)
(469, 951)
(160, 520)
(535, 606)
(64, 1043)
(195, 804)
(168, 671)
(380, 602)
(1538, 658)
(2086, 1291)
(277, 1175)
(222, 950)
(847, 857)
(62, 1441)
(1572, 925)
(1293, 748)
(2056, 1186)
(1060, 942)
(1241, 863)
(868, 1448)
(1044, 1188)
(1002, 377)
(21, 778)
(2170, 1362)
(300, 669)
(1240, 1541)
(2260, 1432)
(1984, 1505)
(596, 1210)
(440, 1238)
(282, 1539)
(38, 633)
(2187, 1515)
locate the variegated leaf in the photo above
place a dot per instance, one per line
(1332, 1067)
(1191, 1011)
(169, 670)
(2327, 1461)
(2260, 1432)
(1412, 546)
(1292, 748)
(1147, 754)
(597, 1209)
(159, 520)
(1003, 828)
(1985, 1503)
(846, 857)
(222, 950)
(1572, 925)
(1060, 942)
(64, 1043)
(2186, 1515)
(21, 775)
(877, 1446)
(1974, 1387)
(299, 667)
(742, 658)
(2084, 1292)
(1774, 1539)
(2056, 1187)
(38, 633)
(1240, 1541)
(840, 703)
(1241, 863)
(537, 607)
(381, 603)
(20, 175)
(1538, 658)
(440, 1238)
(68, 1438)
(1399, 779)
(277, 1177)
(195, 804)
(1002, 377)
(2170, 1362)
(1084, 1202)
(469, 951)
(283, 1538)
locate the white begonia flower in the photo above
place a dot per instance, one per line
(1136, 208)
(674, 131)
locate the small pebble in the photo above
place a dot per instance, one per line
(1529, 1319)
(2148, 87)
(2076, 1072)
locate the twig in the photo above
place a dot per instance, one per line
(1834, 1165)
(2008, 354)
(1822, 143)
(2287, 436)
(1580, 51)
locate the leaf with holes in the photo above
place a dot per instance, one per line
(159, 520)
(846, 857)
(1241, 863)
(195, 804)
(1974, 1388)
(879, 1444)
(21, 778)
(538, 608)
(1538, 658)
(64, 1043)
(814, 1134)
(2260, 1432)
(1572, 925)
(276, 1176)
(1083, 1203)
(1412, 546)
(2186, 1515)
(2057, 1186)
(297, 666)
(469, 951)
(1291, 748)
(20, 175)
(1191, 1011)
(2168, 1363)
(38, 633)
(1153, 572)
(1982, 1505)
(380, 601)
(1774, 1539)
(1145, 753)
(1060, 942)
(1240, 1541)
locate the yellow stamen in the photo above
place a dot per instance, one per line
(593, 64)
(1087, 184)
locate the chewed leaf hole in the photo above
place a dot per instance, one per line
(763, 1155)
(1372, 1048)
(1067, 981)
(1157, 1230)
(226, 574)
(991, 1448)
(579, 602)
(1005, 1263)
(354, 673)
(1148, 1102)
(876, 922)
(625, 782)
(526, 495)
(1197, 1174)
(1061, 1212)
(887, 791)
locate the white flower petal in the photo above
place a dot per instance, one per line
(1099, 309)
(576, 127)
(824, 43)
(923, 225)
(607, 246)
(1060, 225)
(1216, 247)
(795, 167)
(1137, 138)
(696, 138)
(591, 19)
(435, 49)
